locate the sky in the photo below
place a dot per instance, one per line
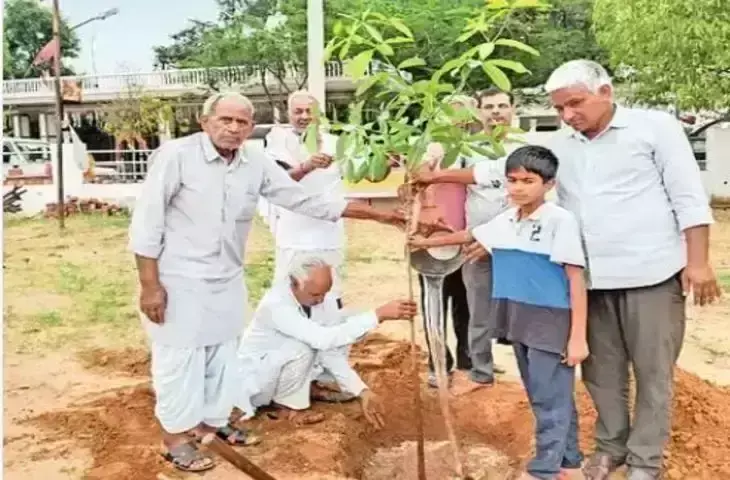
(123, 43)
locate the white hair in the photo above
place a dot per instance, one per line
(303, 264)
(212, 102)
(585, 73)
(300, 95)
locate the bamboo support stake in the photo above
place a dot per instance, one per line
(417, 403)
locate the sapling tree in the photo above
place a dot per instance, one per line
(394, 119)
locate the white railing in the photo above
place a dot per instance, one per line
(159, 81)
(118, 166)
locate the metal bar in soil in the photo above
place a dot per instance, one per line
(221, 448)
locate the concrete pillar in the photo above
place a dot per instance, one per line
(315, 50)
(16, 126)
(716, 178)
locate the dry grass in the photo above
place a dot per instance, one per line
(78, 289)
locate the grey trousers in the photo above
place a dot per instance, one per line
(478, 282)
(644, 328)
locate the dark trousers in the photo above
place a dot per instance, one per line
(642, 329)
(550, 388)
(455, 291)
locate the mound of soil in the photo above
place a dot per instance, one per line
(122, 435)
(129, 362)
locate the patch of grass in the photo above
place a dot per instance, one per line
(50, 318)
(72, 278)
(723, 278)
(259, 273)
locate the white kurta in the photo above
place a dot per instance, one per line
(283, 350)
(294, 232)
(193, 215)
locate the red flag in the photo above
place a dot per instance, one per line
(47, 53)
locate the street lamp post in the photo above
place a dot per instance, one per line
(60, 201)
(315, 51)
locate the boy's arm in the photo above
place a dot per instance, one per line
(464, 176)
(455, 238)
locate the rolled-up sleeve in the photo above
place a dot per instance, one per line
(146, 230)
(278, 188)
(680, 174)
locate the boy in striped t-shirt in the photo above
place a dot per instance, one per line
(539, 302)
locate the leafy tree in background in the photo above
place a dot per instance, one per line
(28, 26)
(562, 31)
(673, 52)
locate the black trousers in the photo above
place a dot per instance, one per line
(455, 291)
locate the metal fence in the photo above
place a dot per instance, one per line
(118, 166)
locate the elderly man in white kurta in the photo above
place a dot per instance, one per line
(188, 233)
(297, 333)
(318, 174)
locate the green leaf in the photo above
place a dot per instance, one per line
(395, 40)
(311, 140)
(508, 42)
(373, 32)
(356, 67)
(466, 36)
(450, 157)
(516, 67)
(486, 50)
(338, 28)
(484, 151)
(365, 84)
(384, 49)
(497, 76)
(401, 27)
(411, 62)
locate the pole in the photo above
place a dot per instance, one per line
(59, 116)
(315, 52)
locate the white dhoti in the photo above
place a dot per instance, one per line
(335, 257)
(283, 376)
(193, 385)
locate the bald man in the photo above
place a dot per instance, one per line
(297, 333)
(188, 233)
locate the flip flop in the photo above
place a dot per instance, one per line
(187, 458)
(237, 436)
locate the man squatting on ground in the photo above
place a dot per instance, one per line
(483, 203)
(538, 302)
(317, 174)
(631, 179)
(299, 332)
(188, 232)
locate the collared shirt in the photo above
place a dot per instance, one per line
(279, 316)
(530, 294)
(293, 230)
(488, 197)
(634, 188)
(193, 215)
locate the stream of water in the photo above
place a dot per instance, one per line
(434, 315)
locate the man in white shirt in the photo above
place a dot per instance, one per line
(188, 233)
(631, 179)
(317, 174)
(299, 332)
